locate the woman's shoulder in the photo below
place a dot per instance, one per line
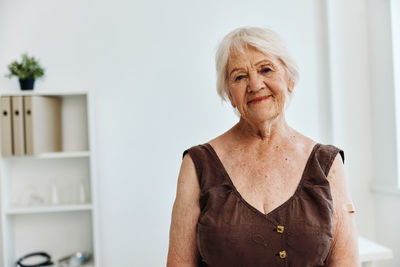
(221, 145)
(304, 140)
(220, 139)
(323, 149)
(199, 154)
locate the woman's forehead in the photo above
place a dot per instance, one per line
(249, 54)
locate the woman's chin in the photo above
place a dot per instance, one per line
(261, 116)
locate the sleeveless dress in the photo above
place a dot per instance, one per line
(231, 232)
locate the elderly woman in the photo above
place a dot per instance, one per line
(261, 194)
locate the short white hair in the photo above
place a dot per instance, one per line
(264, 40)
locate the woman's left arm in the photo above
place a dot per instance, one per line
(344, 246)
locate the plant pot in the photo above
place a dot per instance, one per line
(27, 84)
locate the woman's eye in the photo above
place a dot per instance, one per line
(266, 70)
(238, 78)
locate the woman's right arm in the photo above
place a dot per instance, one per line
(182, 250)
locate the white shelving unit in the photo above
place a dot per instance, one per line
(30, 219)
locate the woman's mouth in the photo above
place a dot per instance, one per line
(258, 99)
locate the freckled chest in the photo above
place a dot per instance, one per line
(265, 180)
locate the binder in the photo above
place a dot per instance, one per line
(6, 127)
(42, 124)
(18, 125)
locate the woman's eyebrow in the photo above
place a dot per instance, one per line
(234, 70)
(264, 61)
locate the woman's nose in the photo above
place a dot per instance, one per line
(255, 83)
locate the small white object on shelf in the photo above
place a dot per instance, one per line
(82, 197)
(54, 195)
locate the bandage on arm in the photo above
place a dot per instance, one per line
(344, 246)
(349, 207)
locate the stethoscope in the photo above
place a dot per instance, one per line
(46, 262)
(76, 259)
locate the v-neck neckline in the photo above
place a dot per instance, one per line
(275, 210)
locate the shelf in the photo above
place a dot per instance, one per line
(32, 178)
(42, 92)
(49, 209)
(54, 155)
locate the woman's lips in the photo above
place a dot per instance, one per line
(258, 99)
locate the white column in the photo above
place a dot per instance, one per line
(351, 101)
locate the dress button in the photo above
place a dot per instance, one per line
(280, 228)
(282, 254)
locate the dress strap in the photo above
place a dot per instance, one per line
(198, 156)
(209, 172)
(326, 154)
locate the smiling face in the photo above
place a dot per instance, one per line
(257, 85)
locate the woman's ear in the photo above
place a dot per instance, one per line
(290, 85)
(289, 79)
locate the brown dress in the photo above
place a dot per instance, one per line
(231, 232)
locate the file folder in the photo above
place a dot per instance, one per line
(42, 124)
(6, 127)
(18, 125)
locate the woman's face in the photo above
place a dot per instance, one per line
(257, 85)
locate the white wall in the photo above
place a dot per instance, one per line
(384, 33)
(365, 102)
(150, 66)
(351, 100)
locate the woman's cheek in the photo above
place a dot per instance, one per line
(280, 102)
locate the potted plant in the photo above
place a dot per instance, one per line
(27, 71)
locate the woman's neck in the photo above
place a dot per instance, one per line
(268, 132)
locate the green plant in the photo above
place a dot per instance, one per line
(28, 68)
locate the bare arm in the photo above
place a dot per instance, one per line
(182, 250)
(344, 246)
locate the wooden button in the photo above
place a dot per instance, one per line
(282, 254)
(280, 228)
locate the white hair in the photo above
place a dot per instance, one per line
(264, 40)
